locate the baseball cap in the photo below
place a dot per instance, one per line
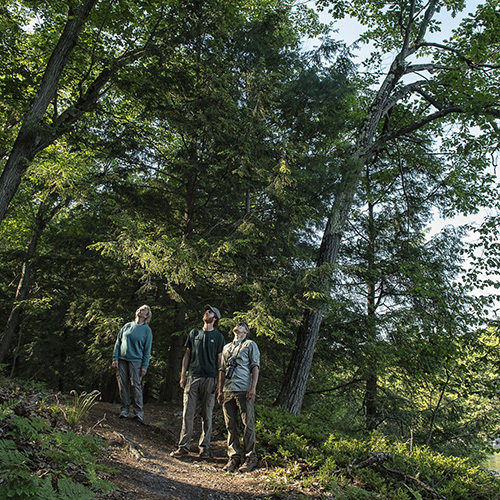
(214, 310)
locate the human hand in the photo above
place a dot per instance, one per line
(114, 365)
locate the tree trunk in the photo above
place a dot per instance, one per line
(15, 312)
(371, 402)
(294, 385)
(31, 135)
(371, 327)
(170, 388)
(41, 221)
(292, 393)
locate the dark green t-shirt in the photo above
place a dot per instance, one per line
(205, 348)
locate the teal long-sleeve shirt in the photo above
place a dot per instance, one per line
(134, 344)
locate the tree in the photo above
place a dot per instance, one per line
(214, 210)
(197, 153)
(409, 96)
(84, 59)
(32, 136)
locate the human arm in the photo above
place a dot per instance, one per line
(222, 379)
(252, 391)
(116, 349)
(218, 385)
(146, 354)
(184, 367)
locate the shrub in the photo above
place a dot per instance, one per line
(370, 466)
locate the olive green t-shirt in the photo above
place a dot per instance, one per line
(205, 348)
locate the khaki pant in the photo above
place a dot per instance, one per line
(201, 389)
(129, 384)
(235, 403)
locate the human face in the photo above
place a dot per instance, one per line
(209, 316)
(142, 314)
(240, 331)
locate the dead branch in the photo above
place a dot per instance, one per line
(415, 480)
(378, 458)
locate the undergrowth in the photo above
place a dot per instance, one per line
(40, 457)
(304, 455)
(80, 406)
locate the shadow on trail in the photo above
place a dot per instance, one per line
(155, 486)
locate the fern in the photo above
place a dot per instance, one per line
(69, 490)
(7, 409)
(30, 444)
(29, 428)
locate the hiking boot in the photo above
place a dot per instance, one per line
(139, 416)
(249, 465)
(179, 453)
(204, 453)
(232, 464)
(124, 414)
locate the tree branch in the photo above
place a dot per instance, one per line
(431, 68)
(341, 386)
(417, 125)
(429, 14)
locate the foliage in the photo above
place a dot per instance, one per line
(206, 174)
(335, 464)
(41, 459)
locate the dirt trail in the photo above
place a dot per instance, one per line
(140, 451)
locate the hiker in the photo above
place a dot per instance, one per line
(199, 380)
(131, 360)
(238, 376)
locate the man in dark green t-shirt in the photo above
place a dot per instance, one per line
(199, 372)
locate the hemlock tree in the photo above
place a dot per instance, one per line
(200, 159)
(214, 159)
(428, 84)
(395, 280)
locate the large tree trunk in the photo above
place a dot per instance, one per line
(292, 393)
(293, 389)
(32, 136)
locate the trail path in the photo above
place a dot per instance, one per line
(140, 451)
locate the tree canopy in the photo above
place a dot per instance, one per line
(185, 153)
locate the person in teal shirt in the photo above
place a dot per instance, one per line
(131, 360)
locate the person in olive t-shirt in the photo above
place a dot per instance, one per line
(201, 361)
(131, 360)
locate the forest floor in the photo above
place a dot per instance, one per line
(141, 454)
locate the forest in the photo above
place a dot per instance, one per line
(183, 153)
